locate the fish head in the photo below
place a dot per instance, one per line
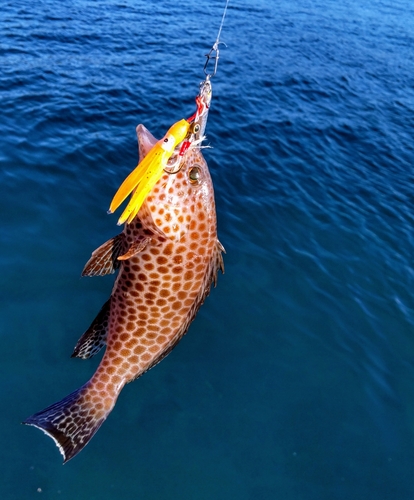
(178, 200)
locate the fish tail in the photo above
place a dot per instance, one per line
(71, 422)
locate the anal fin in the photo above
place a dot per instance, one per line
(95, 336)
(104, 259)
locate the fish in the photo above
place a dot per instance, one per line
(167, 258)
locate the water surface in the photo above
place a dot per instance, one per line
(296, 379)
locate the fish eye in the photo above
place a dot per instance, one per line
(196, 128)
(194, 174)
(166, 139)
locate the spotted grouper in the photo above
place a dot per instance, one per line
(168, 257)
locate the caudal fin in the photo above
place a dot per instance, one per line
(71, 423)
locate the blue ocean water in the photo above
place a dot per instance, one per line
(296, 380)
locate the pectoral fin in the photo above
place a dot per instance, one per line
(104, 260)
(135, 248)
(94, 338)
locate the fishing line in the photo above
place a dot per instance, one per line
(222, 22)
(214, 51)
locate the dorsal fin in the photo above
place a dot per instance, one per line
(104, 259)
(94, 338)
(219, 263)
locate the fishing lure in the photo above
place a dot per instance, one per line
(149, 170)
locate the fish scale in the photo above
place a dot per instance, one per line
(168, 258)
